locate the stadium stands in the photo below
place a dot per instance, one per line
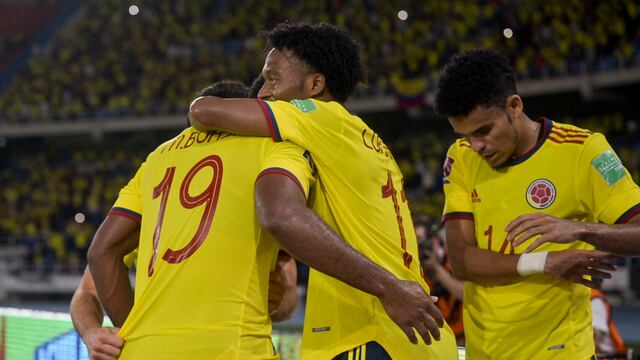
(45, 186)
(102, 66)
(54, 198)
(88, 72)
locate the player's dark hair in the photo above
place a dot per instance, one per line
(474, 78)
(256, 85)
(327, 49)
(226, 89)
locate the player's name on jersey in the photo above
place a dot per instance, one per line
(184, 141)
(372, 141)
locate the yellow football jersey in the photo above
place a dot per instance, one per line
(130, 259)
(572, 174)
(359, 194)
(203, 261)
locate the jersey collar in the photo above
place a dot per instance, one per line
(545, 130)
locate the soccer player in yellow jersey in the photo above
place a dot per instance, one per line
(525, 306)
(204, 260)
(314, 68)
(103, 343)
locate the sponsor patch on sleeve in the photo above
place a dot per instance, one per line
(446, 169)
(305, 105)
(609, 167)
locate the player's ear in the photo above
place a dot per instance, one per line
(515, 105)
(315, 84)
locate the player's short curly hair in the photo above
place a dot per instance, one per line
(226, 89)
(256, 85)
(474, 78)
(327, 49)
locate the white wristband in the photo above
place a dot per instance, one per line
(532, 263)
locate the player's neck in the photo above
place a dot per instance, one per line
(529, 135)
(325, 95)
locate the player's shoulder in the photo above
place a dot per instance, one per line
(314, 107)
(461, 156)
(271, 146)
(461, 148)
(461, 144)
(177, 137)
(568, 134)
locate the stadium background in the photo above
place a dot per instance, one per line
(87, 88)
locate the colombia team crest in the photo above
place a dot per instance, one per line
(541, 194)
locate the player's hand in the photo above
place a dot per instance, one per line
(550, 229)
(574, 265)
(103, 343)
(283, 296)
(409, 306)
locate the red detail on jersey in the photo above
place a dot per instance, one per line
(562, 141)
(388, 190)
(162, 191)
(126, 213)
(456, 216)
(208, 198)
(624, 218)
(576, 135)
(579, 131)
(284, 172)
(271, 120)
(565, 135)
(447, 167)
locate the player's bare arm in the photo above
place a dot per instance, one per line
(283, 295)
(282, 211)
(238, 116)
(482, 266)
(470, 263)
(440, 274)
(115, 238)
(620, 239)
(103, 343)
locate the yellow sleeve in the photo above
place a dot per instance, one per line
(129, 202)
(604, 185)
(290, 160)
(457, 203)
(308, 123)
(130, 259)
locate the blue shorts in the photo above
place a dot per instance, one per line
(369, 351)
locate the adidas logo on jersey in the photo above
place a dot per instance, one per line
(474, 196)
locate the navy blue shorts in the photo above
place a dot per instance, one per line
(369, 351)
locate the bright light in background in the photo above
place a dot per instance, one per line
(508, 33)
(403, 15)
(134, 10)
(79, 218)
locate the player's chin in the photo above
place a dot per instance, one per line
(496, 160)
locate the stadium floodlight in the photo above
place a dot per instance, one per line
(79, 218)
(134, 10)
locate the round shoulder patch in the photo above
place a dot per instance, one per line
(541, 194)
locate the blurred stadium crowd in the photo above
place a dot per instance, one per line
(151, 63)
(54, 197)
